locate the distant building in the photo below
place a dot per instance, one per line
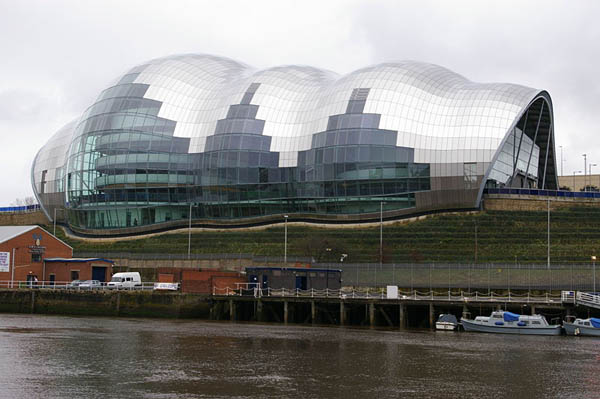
(213, 140)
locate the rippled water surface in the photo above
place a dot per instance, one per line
(72, 357)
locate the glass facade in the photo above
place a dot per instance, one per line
(239, 146)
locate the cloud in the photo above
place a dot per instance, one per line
(58, 56)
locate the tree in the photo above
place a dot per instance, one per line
(24, 201)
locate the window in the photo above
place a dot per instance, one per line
(470, 174)
(535, 322)
(36, 257)
(74, 274)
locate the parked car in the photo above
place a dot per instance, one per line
(125, 280)
(74, 284)
(90, 285)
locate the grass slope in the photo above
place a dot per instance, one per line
(502, 236)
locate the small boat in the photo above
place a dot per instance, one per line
(511, 323)
(589, 327)
(446, 322)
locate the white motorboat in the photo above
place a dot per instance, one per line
(446, 322)
(588, 327)
(504, 322)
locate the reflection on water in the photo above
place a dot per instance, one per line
(68, 357)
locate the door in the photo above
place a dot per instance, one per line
(52, 280)
(99, 273)
(301, 282)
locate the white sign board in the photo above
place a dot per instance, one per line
(4, 261)
(392, 292)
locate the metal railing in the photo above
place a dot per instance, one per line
(543, 193)
(69, 285)
(469, 277)
(589, 298)
(367, 293)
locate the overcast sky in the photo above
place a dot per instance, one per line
(56, 56)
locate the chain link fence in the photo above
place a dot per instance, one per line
(572, 277)
(468, 276)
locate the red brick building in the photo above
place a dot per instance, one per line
(69, 269)
(201, 281)
(30, 253)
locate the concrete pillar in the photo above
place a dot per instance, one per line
(465, 312)
(402, 316)
(259, 310)
(232, 314)
(431, 316)
(313, 312)
(372, 314)
(285, 312)
(32, 301)
(569, 311)
(342, 314)
(532, 309)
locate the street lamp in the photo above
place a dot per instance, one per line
(381, 234)
(590, 174)
(285, 218)
(594, 271)
(54, 221)
(584, 172)
(574, 172)
(561, 160)
(190, 231)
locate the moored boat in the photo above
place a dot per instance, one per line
(587, 327)
(511, 323)
(446, 322)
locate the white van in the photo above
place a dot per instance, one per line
(126, 280)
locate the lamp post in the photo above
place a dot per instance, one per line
(561, 160)
(381, 234)
(285, 218)
(12, 271)
(548, 233)
(190, 232)
(584, 172)
(574, 172)
(594, 271)
(590, 174)
(54, 221)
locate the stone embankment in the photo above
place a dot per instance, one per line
(105, 303)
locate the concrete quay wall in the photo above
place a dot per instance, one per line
(105, 303)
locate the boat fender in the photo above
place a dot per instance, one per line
(499, 323)
(521, 324)
(577, 332)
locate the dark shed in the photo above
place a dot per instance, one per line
(295, 277)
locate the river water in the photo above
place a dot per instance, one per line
(76, 357)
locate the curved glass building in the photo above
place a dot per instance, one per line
(238, 146)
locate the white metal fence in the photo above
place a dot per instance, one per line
(70, 285)
(381, 293)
